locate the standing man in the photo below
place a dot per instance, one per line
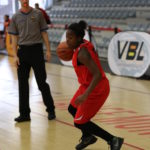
(6, 23)
(44, 13)
(27, 29)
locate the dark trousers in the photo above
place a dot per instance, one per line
(32, 56)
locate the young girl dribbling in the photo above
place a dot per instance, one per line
(92, 92)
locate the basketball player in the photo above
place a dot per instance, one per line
(28, 28)
(92, 92)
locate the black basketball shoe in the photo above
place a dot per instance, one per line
(85, 141)
(116, 143)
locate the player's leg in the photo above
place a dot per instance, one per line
(89, 129)
(94, 130)
(72, 109)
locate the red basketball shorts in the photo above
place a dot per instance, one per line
(90, 106)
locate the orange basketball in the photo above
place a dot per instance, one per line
(64, 52)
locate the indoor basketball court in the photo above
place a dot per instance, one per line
(126, 112)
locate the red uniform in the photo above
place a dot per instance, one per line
(97, 97)
(45, 16)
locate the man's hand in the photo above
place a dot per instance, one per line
(16, 61)
(47, 44)
(48, 55)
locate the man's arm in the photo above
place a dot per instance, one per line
(47, 44)
(15, 50)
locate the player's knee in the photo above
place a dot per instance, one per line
(69, 109)
(72, 110)
(76, 125)
(79, 126)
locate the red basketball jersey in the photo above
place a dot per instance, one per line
(83, 74)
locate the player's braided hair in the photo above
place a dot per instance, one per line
(78, 29)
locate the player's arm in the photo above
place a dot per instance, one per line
(47, 44)
(15, 49)
(85, 58)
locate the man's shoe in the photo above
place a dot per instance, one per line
(22, 118)
(85, 141)
(116, 143)
(51, 115)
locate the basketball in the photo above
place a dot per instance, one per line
(64, 52)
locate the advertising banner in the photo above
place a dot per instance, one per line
(129, 53)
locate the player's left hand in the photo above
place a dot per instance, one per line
(80, 99)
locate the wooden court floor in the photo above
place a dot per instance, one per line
(126, 112)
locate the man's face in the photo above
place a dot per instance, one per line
(24, 3)
(36, 6)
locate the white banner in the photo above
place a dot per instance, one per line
(129, 53)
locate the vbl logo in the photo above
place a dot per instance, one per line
(133, 50)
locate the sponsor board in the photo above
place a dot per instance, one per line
(129, 53)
